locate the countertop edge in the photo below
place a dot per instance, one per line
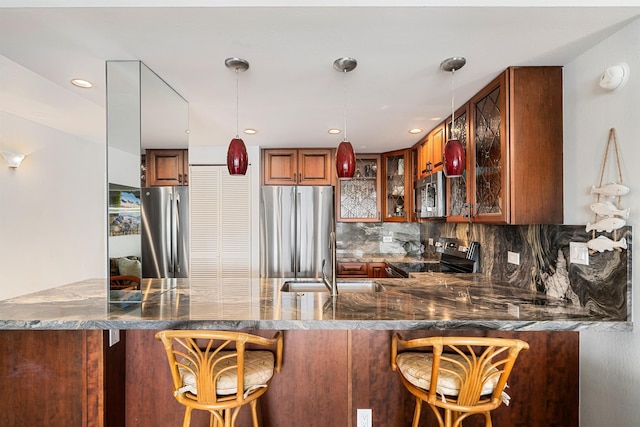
(380, 325)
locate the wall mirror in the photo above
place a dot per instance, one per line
(144, 114)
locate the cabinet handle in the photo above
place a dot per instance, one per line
(180, 178)
(468, 208)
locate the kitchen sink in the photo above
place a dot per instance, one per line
(344, 286)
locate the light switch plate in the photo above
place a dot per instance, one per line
(513, 258)
(578, 253)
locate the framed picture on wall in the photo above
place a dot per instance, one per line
(124, 210)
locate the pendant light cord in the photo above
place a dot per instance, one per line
(237, 104)
(344, 86)
(453, 92)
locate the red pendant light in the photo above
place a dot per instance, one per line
(453, 156)
(345, 160)
(345, 156)
(237, 158)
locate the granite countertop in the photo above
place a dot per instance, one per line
(383, 257)
(425, 301)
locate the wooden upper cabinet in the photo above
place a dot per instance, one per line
(438, 138)
(397, 188)
(359, 199)
(167, 167)
(297, 167)
(423, 157)
(429, 152)
(514, 151)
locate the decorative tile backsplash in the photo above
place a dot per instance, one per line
(369, 238)
(604, 286)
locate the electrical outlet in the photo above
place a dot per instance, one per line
(114, 337)
(364, 418)
(430, 241)
(387, 239)
(513, 258)
(578, 253)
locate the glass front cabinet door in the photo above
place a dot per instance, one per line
(359, 197)
(397, 185)
(458, 194)
(512, 131)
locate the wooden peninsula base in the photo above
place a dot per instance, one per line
(73, 378)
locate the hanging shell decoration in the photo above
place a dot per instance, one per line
(609, 217)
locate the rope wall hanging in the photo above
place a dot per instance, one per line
(609, 217)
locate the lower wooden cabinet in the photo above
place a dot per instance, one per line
(361, 269)
(377, 269)
(352, 269)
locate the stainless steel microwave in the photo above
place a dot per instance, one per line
(430, 197)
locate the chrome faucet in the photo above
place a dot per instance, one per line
(332, 284)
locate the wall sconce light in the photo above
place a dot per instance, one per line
(615, 77)
(13, 159)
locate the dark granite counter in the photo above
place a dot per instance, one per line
(426, 301)
(382, 257)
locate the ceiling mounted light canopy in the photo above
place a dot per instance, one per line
(453, 157)
(13, 159)
(345, 156)
(237, 158)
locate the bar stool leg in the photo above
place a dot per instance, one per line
(187, 417)
(254, 413)
(416, 412)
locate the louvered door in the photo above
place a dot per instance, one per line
(220, 234)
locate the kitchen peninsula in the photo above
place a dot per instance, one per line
(339, 344)
(426, 301)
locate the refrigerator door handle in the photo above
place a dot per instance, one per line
(298, 232)
(169, 234)
(178, 234)
(294, 235)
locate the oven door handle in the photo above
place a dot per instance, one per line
(391, 272)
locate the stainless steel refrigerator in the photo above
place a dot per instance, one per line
(295, 227)
(165, 232)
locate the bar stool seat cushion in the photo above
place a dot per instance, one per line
(258, 370)
(416, 368)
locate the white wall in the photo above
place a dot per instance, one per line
(52, 210)
(609, 364)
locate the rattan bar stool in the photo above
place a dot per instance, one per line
(219, 371)
(469, 373)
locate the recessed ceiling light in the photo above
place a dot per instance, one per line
(334, 131)
(415, 131)
(81, 83)
(250, 131)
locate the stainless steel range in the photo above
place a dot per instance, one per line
(456, 256)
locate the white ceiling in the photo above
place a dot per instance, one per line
(291, 94)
